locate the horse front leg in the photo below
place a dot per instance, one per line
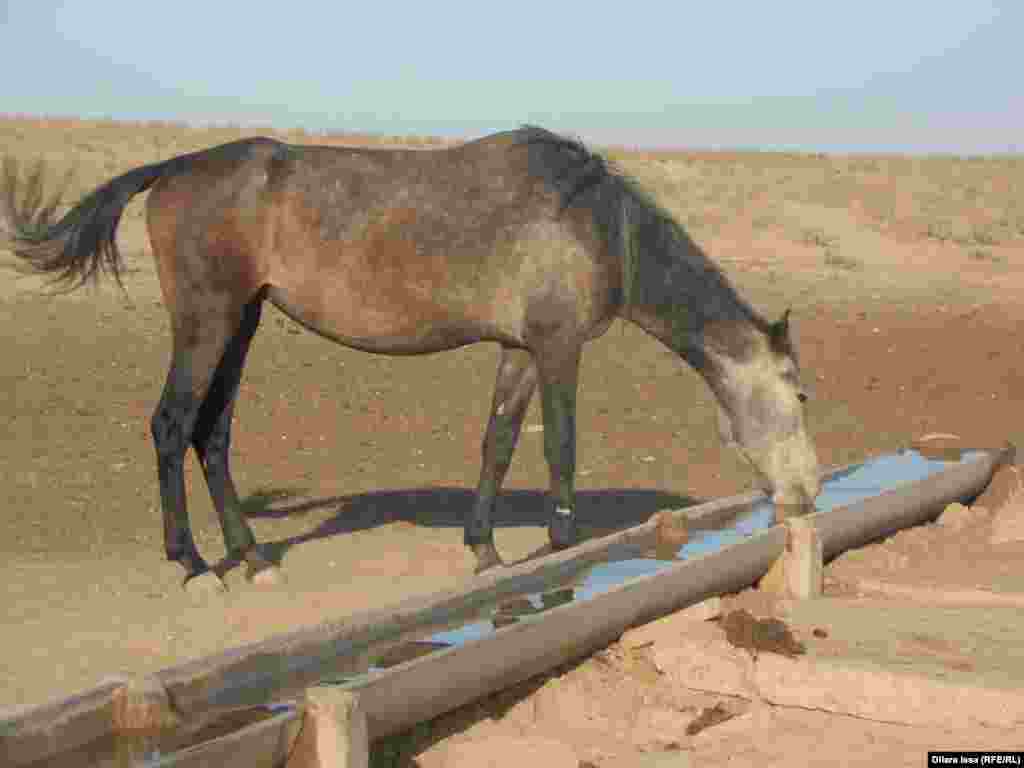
(516, 381)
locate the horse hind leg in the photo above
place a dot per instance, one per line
(558, 363)
(201, 335)
(211, 439)
(516, 381)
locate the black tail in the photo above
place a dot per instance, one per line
(82, 244)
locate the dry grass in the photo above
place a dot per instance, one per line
(974, 202)
(966, 200)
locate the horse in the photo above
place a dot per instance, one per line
(524, 238)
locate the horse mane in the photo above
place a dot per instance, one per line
(632, 223)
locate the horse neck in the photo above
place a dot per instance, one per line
(682, 299)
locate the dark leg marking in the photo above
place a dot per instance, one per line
(199, 343)
(170, 427)
(558, 367)
(516, 381)
(212, 435)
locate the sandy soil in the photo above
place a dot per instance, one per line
(358, 468)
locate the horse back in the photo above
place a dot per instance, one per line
(458, 244)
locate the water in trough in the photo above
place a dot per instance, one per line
(842, 488)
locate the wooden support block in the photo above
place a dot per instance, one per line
(799, 572)
(35, 735)
(334, 731)
(142, 704)
(264, 744)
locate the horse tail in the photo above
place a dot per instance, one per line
(82, 244)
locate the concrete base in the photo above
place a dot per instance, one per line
(143, 705)
(334, 732)
(799, 573)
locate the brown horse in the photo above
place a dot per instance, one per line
(523, 238)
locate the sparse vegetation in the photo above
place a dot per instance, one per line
(838, 260)
(939, 230)
(985, 235)
(764, 221)
(818, 237)
(975, 203)
(983, 254)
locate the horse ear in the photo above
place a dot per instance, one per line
(779, 333)
(780, 328)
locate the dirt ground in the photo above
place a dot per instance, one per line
(358, 468)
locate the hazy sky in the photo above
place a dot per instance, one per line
(873, 75)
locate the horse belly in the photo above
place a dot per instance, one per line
(398, 280)
(371, 312)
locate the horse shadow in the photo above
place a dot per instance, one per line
(599, 512)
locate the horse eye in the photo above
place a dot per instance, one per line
(801, 396)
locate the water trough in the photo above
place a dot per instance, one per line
(429, 655)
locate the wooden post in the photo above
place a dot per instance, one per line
(143, 705)
(799, 572)
(334, 732)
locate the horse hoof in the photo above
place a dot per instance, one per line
(563, 531)
(267, 576)
(670, 531)
(204, 585)
(261, 571)
(143, 704)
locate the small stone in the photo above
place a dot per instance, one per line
(943, 446)
(270, 576)
(204, 586)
